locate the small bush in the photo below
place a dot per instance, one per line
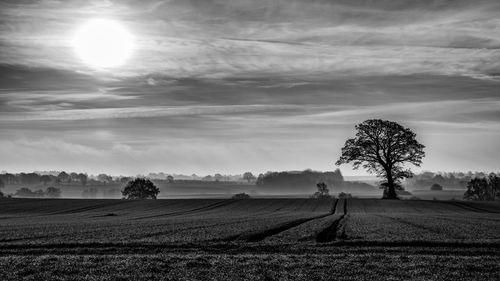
(436, 186)
(241, 196)
(344, 195)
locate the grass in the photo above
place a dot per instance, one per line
(258, 239)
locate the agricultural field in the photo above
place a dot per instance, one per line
(255, 239)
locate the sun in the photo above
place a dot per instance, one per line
(103, 43)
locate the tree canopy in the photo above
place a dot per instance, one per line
(383, 147)
(140, 188)
(483, 189)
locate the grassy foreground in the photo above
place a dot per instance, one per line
(264, 239)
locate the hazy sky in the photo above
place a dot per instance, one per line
(231, 86)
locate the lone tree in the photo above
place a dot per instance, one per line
(140, 188)
(383, 147)
(323, 192)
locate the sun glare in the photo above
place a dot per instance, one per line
(103, 43)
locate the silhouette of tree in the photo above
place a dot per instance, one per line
(483, 189)
(436, 186)
(170, 179)
(241, 196)
(53, 192)
(322, 192)
(218, 177)
(140, 188)
(2, 184)
(45, 179)
(63, 177)
(343, 195)
(83, 178)
(248, 176)
(383, 147)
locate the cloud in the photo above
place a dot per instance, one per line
(265, 84)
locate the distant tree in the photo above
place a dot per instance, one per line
(343, 195)
(63, 177)
(45, 179)
(104, 178)
(383, 147)
(2, 184)
(483, 189)
(83, 178)
(248, 177)
(125, 180)
(260, 180)
(207, 178)
(241, 196)
(74, 177)
(28, 193)
(39, 193)
(218, 177)
(170, 179)
(53, 192)
(323, 192)
(436, 186)
(140, 188)
(29, 178)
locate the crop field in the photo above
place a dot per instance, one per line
(256, 239)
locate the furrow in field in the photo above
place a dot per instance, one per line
(469, 207)
(192, 211)
(259, 236)
(89, 208)
(329, 234)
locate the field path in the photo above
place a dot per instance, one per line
(329, 234)
(261, 235)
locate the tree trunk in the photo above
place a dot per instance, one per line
(391, 190)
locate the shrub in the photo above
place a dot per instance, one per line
(436, 186)
(241, 196)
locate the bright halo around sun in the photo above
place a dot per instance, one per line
(103, 43)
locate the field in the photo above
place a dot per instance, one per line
(257, 239)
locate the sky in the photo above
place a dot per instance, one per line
(235, 86)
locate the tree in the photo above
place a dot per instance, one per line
(248, 177)
(343, 195)
(218, 177)
(74, 177)
(105, 179)
(63, 177)
(83, 178)
(383, 147)
(2, 184)
(140, 188)
(483, 189)
(53, 192)
(28, 193)
(170, 179)
(323, 192)
(436, 186)
(241, 196)
(45, 179)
